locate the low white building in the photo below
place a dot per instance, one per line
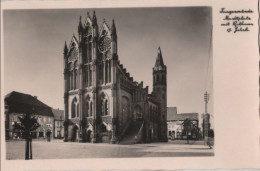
(175, 125)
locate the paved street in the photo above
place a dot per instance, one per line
(57, 149)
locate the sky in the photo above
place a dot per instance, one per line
(34, 41)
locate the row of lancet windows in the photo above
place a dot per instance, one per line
(88, 52)
(159, 79)
(153, 114)
(89, 108)
(74, 79)
(104, 76)
(105, 72)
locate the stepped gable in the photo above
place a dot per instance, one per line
(134, 83)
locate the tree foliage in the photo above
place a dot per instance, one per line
(27, 125)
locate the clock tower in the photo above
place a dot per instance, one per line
(160, 92)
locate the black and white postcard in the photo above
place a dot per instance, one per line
(132, 85)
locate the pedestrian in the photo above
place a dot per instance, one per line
(48, 136)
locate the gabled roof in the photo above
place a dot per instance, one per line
(173, 116)
(75, 40)
(58, 114)
(26, 103)
(88, 20)
(106, 28)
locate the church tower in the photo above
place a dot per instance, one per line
(160, 92)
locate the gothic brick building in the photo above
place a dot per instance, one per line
(102, 101)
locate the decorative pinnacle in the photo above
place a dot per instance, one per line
(113, 27)
(94, 19)
(65, 49)
(80, 27)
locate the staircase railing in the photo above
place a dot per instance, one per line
(122, 133)
(140, 134)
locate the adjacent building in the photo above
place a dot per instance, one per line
(18, 104)
(102, 101)
(58, 123)
(177, 127)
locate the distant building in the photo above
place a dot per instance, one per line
(18, 104)
(175, 124)
(58, 123)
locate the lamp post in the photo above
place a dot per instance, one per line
(206, 118)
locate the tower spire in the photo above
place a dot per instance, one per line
(159, 60)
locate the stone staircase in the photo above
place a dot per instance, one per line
(132, 131)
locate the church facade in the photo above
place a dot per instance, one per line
(102, 101)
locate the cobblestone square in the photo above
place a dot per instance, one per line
(57, 149)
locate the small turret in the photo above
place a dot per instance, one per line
(80, 27)
(95, 25)
(113, 38)
(65, 50)
(113, 30)
(94, 19)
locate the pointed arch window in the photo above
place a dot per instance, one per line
(109, 71)
(74, 108)
(86, 78)
(90, 77)
(87, 108)
(163, 79)
(151, 112)
(90, 109)
(77, 109)
(104, 106)
(75, 79)
(71, 80)
(90, 51)
(101, 73)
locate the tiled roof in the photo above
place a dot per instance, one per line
(58, 114)
(26, 103)
(173, 116)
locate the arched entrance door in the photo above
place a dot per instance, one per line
(75, 134)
